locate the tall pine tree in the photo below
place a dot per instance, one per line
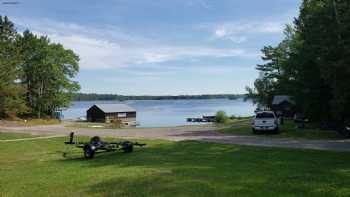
(11, 92)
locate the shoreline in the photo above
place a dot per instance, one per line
(115, 97)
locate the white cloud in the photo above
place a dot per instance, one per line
(113, 48)
(222, 69)
(104, 54)
(237, 32)
(240, 31)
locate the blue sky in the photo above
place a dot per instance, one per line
(160, 47)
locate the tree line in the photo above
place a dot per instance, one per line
(312, 63)
(36, 75)
(96, 97)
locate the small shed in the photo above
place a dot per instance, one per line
(111, 112)
(283, 105)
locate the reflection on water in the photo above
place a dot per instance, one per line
(157, 113)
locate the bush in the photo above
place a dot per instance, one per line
(233, 117)
(221, 117)
(116, 124)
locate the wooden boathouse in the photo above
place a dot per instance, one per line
(111, 112)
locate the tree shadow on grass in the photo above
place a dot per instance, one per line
(189, 168)
(157, 155)
(163, 185)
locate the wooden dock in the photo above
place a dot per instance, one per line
(202, 119)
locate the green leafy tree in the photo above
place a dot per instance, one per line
(36, 76)
(47, 74)
(11, 92)
(323, 63)
(221, 117)
(277, 75)
(311, 63)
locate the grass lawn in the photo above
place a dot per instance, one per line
(10, 136)
(288, 130)
(95, 125)
(164, 168)
(29, 122)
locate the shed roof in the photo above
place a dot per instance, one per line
(280, 98)
(111, 108)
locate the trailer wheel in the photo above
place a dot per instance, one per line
(95, 140)
(127, 147)
(89, 151)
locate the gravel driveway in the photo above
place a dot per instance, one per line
(199, 133)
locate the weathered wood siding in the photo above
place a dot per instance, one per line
(130, 116)
(95, 114)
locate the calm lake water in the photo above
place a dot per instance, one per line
(160, 113)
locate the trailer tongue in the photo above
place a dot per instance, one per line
(96, 145)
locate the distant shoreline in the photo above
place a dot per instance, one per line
(116, 97)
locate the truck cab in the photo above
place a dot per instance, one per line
(265, 121)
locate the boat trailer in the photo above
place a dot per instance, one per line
(96, 145)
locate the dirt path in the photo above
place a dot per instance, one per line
(199, 133)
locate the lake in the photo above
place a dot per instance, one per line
(161, 113)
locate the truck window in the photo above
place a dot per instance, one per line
(265, 115)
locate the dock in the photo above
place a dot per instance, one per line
(202, 119)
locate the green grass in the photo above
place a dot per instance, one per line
(164, 168)
(9, 136)
(288, 130)
(95, 125)
(33, 122)
(29, 122)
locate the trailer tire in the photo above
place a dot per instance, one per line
(89, 151)
(95, 140)
(127, 147)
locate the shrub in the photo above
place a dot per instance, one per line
(116, 124)
(221, 117)
(233, 117)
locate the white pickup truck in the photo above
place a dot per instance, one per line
(265, 121)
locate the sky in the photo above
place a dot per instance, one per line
(160, 47)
